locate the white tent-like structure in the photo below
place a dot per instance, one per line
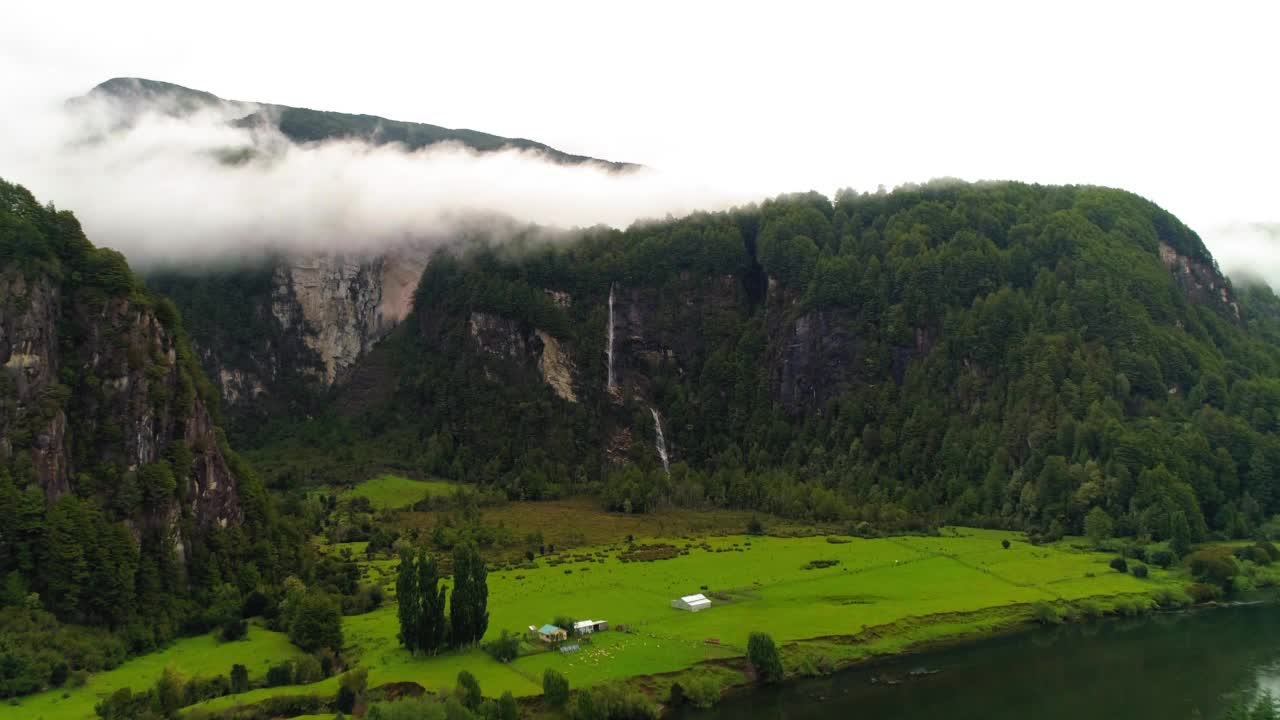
(586, 627)
(692, 603)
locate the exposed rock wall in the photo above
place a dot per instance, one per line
(132, 400)
(1201, 281)
(29, 413)
(556, 367)
(510, 340)
(331, 301)
(322, 313)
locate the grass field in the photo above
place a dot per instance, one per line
(201, 656)
(392, 492)
(877, 583)
(891, 592)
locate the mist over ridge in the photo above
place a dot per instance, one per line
(172, 176)
(178, 177)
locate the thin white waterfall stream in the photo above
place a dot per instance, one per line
(660, 440)
(608, 348)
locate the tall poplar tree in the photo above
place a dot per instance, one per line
(469, 603)
(479, 597)
(460, 599)
(410, 606)
(431, 623)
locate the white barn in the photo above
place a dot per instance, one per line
(586, 627)
(692, 603)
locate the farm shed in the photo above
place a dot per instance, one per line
(551, 633)
(692, 603)
(586, 627)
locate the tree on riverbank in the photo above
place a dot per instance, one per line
(762, 653)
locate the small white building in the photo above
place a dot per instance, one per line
(692, 603)
(586, 627)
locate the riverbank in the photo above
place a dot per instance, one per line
(1162, 665)
(901, 642)
(830, 602)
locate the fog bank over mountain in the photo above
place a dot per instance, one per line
(192, 182)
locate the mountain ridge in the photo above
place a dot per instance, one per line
(303, 125)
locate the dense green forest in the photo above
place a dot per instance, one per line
(999, 354)
(101, 555)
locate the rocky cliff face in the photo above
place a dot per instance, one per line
(30, 414)
(331, 303)
(1201, 281)
(314, 318)
(340, 306)
(95, 389)
(510, 340)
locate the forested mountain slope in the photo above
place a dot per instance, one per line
(123, 506)
(1003, 354)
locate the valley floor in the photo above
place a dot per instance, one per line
(880, 596)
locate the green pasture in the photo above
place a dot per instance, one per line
(392, 492)
(912, 588)
(876, 583)
(201, 656)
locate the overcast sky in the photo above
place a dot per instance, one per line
(1177, 102)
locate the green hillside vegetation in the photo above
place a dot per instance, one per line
(393, 492)
(1040, 363)
(1000, 355)
(202, 656)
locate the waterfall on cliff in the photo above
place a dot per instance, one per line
(660, 440)
(608, 348)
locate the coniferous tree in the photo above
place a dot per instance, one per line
(480, 597)
(1179, 534)
(68, 572)
(10, 502)
(460, 600)
(409, 610)
(431, 623)
(469, 603)
(239, 678)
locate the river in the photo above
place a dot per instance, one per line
(1165, 667)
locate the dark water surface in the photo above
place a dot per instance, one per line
(1165, 667)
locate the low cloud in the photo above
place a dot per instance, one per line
(196, 188)
(1247, 252)
(191, 186)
